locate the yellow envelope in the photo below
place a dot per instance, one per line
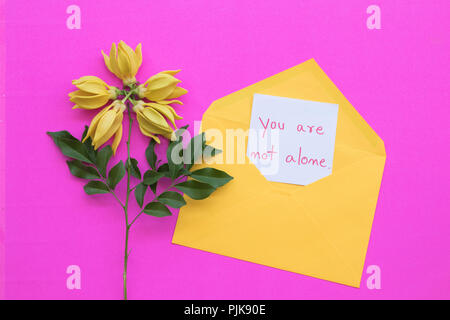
(320, 230)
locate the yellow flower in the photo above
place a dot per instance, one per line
(161, 86)
(152, 119)
(124, 62)
(105, 124)
(92, 93)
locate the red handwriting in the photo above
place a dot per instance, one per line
(273, 125)
(310, 129)
(303, 160)
(301, 128)
(263, 155)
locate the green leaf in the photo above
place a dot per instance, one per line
(86, 128)
(62, 134)
(103, 157)
(150, 154)
(209, 152)
(95, 187)
(78, 169)
(195, 189)
(88, 145)
(164, 169)
(133, 168)
(116, 174)
(70, 146)
(182, 172)
(172, 199)
(194, 150)
(151, 177)
(139, 193)
(153, 187)
(157, 209)
(180, 131)
(211, 176)
(174, 163)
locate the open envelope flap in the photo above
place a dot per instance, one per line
(322, 229)
(305, 81)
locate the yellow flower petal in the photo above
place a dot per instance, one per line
(169, 102)
(160, 86)
(177, 92)
(160, 127)
(104, 125)
(88, 101)
(110, 131)
(171, 72)
(166, 111)
(94, 123)
(145, 132)
(89, 79)
(107, 62)
(161, 80)
(117, 138)
(138, 53)
(154, 118)
(93, 87)
(113, 61)
(131, 56)
(125, 64)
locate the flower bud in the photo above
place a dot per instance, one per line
(161, 86)
(152, 120)
(124, 62)
(107, 123)
(92, 93)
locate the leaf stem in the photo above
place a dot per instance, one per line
(137, 216)
(115, 196)
(109, 188)
(156, 196)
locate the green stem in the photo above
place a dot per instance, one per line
(127, 96)
(127, 226)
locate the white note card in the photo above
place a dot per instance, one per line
(292, 140)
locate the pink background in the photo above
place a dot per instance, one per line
(396, 77)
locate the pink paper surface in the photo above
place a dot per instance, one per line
(396, 77)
